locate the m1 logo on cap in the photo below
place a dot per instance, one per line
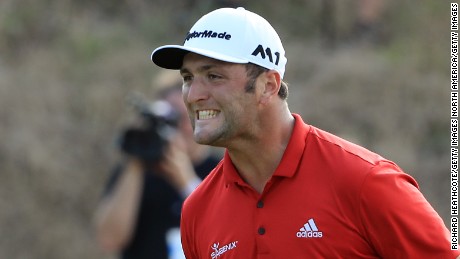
(267, 52)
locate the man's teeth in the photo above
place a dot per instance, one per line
(207, 114)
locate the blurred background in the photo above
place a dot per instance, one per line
(375, 72)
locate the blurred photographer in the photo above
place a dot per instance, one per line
(143, 197)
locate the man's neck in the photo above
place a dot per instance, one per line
(257, 160)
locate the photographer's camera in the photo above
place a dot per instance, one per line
(148, 142)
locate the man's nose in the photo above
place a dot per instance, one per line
(197, 91)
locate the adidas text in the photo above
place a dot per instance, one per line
(208, 34)
(310, 234)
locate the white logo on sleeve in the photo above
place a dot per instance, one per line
(218, 251)
(309, 230)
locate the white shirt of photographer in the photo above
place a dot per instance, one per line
(174, 244)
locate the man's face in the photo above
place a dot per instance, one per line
(220, 109)
(175, 99)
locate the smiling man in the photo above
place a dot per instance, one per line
(285, 189)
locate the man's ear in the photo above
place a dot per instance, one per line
(272, 84)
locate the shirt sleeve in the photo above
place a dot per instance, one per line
(398, 220)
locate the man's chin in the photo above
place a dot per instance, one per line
(204, 139)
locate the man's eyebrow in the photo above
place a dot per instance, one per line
(203, 68)
(183, 71)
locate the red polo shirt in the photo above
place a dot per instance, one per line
(328, 198)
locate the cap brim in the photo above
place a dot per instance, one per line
(172, 56)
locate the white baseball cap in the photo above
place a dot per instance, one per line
(231, 35)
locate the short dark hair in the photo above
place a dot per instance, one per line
(253, 71)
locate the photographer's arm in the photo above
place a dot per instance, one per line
(178, 169)
(116, 215)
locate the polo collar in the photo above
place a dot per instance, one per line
(289, 162)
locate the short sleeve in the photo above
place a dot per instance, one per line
(398, 220)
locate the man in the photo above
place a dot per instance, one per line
(284, 189)
(142, 201)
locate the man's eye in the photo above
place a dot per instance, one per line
(186, 78)
(212, 76)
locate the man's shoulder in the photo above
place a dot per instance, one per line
(348, 163)
(342, 148)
